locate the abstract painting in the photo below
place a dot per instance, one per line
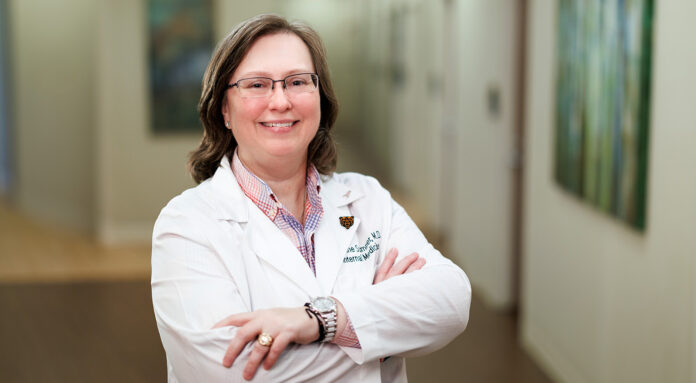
(180, 45)
(603, 103)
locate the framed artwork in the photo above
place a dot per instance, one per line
(603, 103)
(180, 46)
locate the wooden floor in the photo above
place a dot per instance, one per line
(30, 251)
(74, 311)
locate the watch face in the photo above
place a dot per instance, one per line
(323, 304)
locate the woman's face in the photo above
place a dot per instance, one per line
(281, 126)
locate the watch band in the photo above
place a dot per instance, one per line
(325, 309)
(330, 327)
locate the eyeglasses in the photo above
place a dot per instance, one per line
(257, 87)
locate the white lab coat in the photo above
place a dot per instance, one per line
(214, 253)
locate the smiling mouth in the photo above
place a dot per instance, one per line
(279, 124)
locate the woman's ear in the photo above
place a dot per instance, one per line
(226, 113)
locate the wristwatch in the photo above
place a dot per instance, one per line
(325, 309)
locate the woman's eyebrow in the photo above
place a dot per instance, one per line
(269, 75)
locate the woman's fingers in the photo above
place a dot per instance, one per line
(244, 335)
(236, 320)
(386, 266)
(388, 269)
(277, 348)
(258, 352)
(401, 266)
(417, 265)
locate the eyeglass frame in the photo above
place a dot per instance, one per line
(285, 85)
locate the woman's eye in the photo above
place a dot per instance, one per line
(254, 85)
(298, 82)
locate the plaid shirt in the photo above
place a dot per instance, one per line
(302, 236)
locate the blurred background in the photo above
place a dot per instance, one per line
(450, 103)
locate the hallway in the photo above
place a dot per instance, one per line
(551, 203)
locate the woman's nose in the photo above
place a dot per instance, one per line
(279, 98)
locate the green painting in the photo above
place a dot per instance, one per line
(180, 45)
(603, 103)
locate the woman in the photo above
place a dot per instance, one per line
(274, 259)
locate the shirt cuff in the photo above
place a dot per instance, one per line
(347, 337)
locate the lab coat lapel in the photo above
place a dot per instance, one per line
(274, 247)
(331, 238)
(225, 194)
(331, 243)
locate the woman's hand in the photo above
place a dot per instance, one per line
(285, 325)
(388, 269)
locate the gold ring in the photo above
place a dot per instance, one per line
(265, 339)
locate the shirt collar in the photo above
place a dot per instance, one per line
(261, 194)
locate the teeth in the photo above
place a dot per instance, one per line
(275, 125)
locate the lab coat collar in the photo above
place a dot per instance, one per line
(336, 193)
(227, 195)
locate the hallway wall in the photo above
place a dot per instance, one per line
(5, 136)
(484, 152)
(602, 302)
(52, 59)
(428, 68)
(138, 172)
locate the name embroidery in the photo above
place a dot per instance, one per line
(365, 251)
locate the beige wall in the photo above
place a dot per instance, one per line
(484, 146)
(601, 302)
(52, 59)
(417, 110)
(137, 171)
(374, 95)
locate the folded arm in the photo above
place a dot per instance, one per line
(289, 325)
(411, 314)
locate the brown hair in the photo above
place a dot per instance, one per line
(217, 140)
